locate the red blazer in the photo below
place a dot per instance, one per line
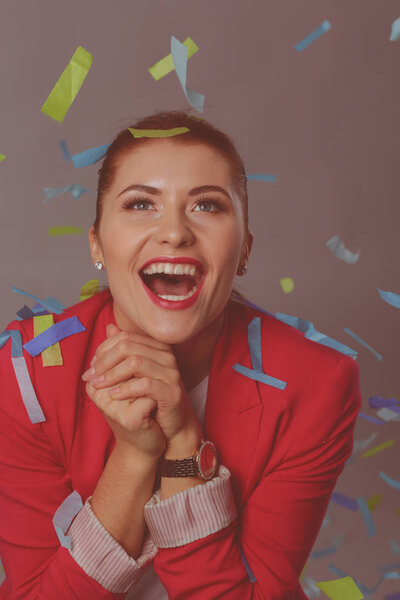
(284, 448)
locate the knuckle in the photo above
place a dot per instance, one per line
(147, 384)
(135, 361)
(124, 346)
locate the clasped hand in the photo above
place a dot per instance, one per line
(134, 380)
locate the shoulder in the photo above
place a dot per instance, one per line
(321, 383)
(51, 382)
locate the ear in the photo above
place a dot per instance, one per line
(95, 249)
(249, 243)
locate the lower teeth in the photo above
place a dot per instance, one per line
(166, 297)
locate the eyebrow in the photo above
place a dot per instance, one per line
(194, 192)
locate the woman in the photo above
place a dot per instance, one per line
(168, 362)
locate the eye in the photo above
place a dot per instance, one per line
(130, 203)
(210, 202)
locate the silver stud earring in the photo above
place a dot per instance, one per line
(244, 269)
(98, 265)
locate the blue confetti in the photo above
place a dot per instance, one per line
(361, 341)
(64, 149)
(312, 334)
(390, 297)
(51, 304)
(16, 341)
(256, 373)
(53, 334)
(314, 35)
(262, 177)
(366, 515)
(89, 156)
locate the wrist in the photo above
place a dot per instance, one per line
(184, 444)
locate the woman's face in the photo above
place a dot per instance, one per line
(170, 199)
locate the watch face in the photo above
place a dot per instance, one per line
(207, 460)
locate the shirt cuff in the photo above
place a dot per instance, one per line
(102, 557)
(192, 514)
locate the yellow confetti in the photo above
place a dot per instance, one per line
(89, 289)
(287, 284)
(374, 501)
(166, 64)
(341, 589)
(2, 157)
(68, 85)
(52, 355)
(157, 133)
(64, 230)
(377, 449)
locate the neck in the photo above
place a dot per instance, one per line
(194, 357)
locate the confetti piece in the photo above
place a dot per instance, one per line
(64, 516)
(361, 341)
(390, 567)
(310, 587)
(316, 336)
(344, 501)
(28, 393)
(64, 230)
(377, 449)
(64, 149)
(341, 589)
(157, 133)
(89, 289)
(262, 177)
(395, 33)
(16, 341)
(90, 156)
(26, 313)
(254, 340)
(336, 543)
(369, 418)
(378, 401)
(287, 284)
(179, 56)
(337, 247)
(51, 357)
(76, 191)
(247, 567)
(360, 445)
(54, 334)
(166, 64)
(2, 157)
(390, 297)
(392, 482)
(68, 85)
(374, 501)
(366, 515)
(323, 28)
(394, 546)
(388, 414)
(51, 304)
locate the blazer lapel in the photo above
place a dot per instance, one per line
(234, 406)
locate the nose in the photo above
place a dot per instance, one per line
(173, 227)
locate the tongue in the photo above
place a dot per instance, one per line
(176, 285)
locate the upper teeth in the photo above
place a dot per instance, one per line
(170, 269)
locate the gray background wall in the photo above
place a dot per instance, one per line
(324, 121)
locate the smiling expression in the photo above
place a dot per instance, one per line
(170, 199)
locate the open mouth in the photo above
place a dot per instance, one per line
(172, 286)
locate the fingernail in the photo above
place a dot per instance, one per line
(115, 390)
(88, 374)
(97, 379)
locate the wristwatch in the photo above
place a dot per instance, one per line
(203, 463)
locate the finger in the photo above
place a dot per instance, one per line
(131, 415)
(153, 364)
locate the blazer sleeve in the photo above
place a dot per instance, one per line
(33, 484)
(279, 523)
